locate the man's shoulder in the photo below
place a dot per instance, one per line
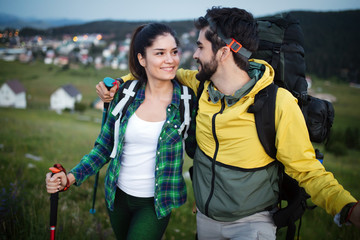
(284, 96)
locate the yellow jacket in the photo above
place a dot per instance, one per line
(240, 147)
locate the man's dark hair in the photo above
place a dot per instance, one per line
(233, 23)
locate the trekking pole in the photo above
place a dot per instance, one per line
(109, 82)
(54, 198)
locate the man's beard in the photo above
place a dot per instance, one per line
(207, 70)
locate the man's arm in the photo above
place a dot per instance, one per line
(186, 77)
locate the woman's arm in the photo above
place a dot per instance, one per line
(108, 95)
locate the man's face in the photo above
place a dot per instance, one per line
(205, 57)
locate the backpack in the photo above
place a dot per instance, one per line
(281, 42)
(127, 96)
(281, 45)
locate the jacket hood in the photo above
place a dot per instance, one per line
(263, 74)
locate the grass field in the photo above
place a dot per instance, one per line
(34, 139)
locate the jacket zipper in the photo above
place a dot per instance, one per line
(214, 157)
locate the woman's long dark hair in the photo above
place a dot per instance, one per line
(142, 38)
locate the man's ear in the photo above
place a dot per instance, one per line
(141, 60)
(224, 53)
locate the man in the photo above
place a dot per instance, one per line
(235, 182)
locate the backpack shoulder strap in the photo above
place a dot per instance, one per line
(186, 104)
(200, 90)
(127, 95)
(264, 112)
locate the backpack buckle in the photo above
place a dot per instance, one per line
(276, 48)
(237, 46)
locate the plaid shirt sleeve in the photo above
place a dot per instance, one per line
(91, 163)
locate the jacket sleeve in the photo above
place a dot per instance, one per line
(128, 77)
(295, 151)
(185, 77)
(188, 78)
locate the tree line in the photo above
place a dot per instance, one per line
(331, 39)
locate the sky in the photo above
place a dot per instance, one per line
(158, 10)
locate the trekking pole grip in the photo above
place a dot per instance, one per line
(54, 198)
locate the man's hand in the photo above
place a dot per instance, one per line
(355, 216)
(105, 95)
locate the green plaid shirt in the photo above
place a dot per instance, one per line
(170, 188)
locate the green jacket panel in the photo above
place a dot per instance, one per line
(233, 193)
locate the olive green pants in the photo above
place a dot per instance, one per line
(135, 218)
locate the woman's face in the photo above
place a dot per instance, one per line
(162, 58)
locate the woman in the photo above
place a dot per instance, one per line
(144, 180)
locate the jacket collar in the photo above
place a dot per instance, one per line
(256, 71)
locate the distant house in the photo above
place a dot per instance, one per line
(13, 94)
(65, 97)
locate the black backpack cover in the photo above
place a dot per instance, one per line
(281, 42)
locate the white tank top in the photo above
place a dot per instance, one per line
(137, 172)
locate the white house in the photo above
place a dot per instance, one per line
(65, 97)
(13, 94)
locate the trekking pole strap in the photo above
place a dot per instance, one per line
(59, 168)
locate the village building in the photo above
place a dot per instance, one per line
(13, 94)
(65, 97)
